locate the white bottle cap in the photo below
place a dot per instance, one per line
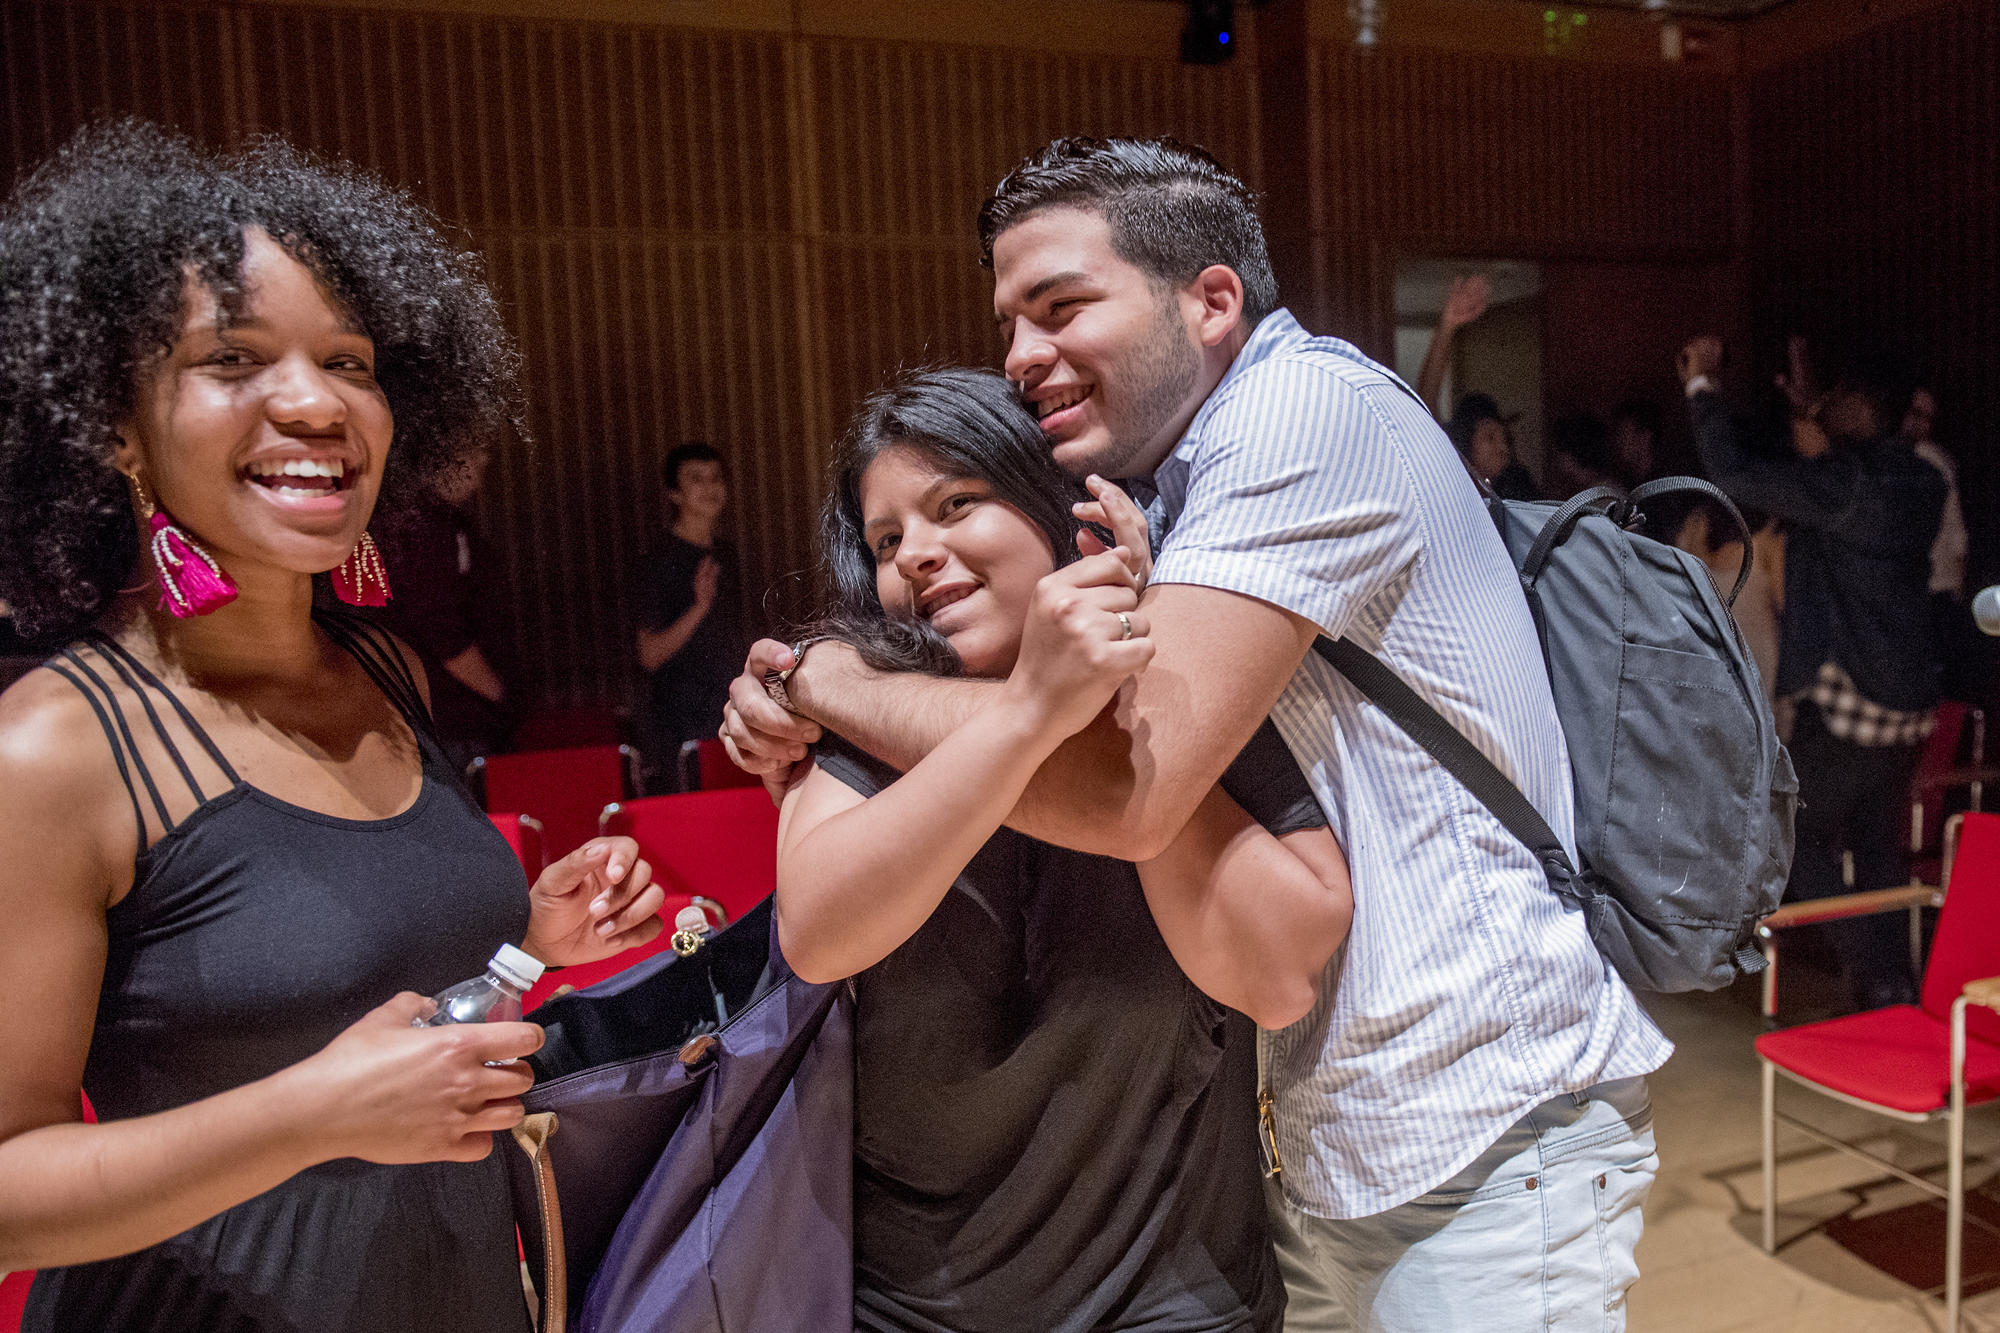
(523, 969)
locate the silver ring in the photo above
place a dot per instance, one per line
(1126, 622)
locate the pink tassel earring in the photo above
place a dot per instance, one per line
(361, 579)
(191, 583)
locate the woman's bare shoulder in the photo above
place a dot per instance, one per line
(52, 745)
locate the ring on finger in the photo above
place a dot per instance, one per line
(1125, 624)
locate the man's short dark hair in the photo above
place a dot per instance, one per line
(1885, 378)
(693, 451)
(1173, 210)
(1641, 412)
(1473, 408)
(1584, 437)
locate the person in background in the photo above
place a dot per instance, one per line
(1484, 437)
(229, 838)
(1708, 534)
(441, 607)
(1579, 455)
(1958, 641)
(1856, 652)
(690, 614)
(1485, 441)
(1635, 442)
(1948, 551)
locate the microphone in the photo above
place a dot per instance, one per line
(1986, 610)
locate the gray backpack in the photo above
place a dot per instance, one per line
(1684, 797)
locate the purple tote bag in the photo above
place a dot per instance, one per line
(688, 1161)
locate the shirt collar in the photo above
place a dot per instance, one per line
(1276, 332)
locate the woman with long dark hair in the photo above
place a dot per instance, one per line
(1055, 1079)
(230, 839)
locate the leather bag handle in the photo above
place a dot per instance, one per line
(532, 1136)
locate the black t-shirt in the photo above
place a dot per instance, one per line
(686, 695)
(1054, 1129)
(442, 604)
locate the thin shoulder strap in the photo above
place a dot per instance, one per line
(371, 646)
(69, 670)
(134, 672)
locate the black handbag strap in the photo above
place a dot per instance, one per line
(1457, 755)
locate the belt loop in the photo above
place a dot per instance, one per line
(1579, 1099)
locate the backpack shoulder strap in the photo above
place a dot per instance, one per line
(1457, 755)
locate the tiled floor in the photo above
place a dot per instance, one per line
(1702, 1268)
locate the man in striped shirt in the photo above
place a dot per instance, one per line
(1462, 1120)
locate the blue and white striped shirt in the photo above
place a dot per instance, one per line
(1467, 992)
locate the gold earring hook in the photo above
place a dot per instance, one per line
(145, 501)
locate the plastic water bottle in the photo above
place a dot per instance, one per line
(492, 998)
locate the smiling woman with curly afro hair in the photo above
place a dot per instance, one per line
(233, 857)
(94, 258)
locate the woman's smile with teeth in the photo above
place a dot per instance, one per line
(300, 476)
(947, 598)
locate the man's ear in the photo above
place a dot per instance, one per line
(1217, 295)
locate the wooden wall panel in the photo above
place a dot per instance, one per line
(68, 64)
(908, 140)
(1424, 152)
(1875, 213)
(911, 138)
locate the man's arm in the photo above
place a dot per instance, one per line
(1465, 303)
(471, 669)
(1822, 492)
(659, 644)
(1127, 784)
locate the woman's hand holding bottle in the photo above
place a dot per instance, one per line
(386, 1092)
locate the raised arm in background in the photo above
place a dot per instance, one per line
(1464, 303)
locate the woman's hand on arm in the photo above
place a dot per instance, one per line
(856, 878)
(72, 1192)
(1251, 918)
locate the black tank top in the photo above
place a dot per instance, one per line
(255, 932)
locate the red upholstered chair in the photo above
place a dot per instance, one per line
(721, 845)
(1912, 1062)
(564, 789)
(13, 1300)
(706, 766)
(1960, 729)
(524, 834)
